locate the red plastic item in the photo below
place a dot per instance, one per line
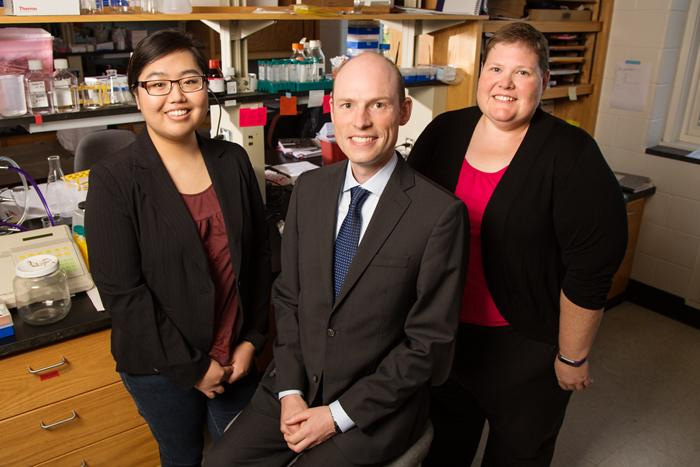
(331, 153)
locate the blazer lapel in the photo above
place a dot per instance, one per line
(332, 186)
(228, 187)
(155, 182)
(391, 207)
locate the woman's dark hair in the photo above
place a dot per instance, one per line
(158, 45)
(525, 34)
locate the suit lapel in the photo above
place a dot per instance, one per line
(391, 207)
(228, 187)
(155, 182)
(332, 186)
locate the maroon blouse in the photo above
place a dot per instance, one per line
(206, 212)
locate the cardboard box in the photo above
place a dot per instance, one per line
(42, 7)
(559, 15)
(507, 8)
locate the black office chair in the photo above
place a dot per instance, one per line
(97, 145)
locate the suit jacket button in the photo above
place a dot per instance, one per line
(331, 332)
(314, 378)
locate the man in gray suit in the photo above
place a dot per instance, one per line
(367, 303)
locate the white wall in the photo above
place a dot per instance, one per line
(668, 250)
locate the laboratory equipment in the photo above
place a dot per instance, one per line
(41, 290)
(13, 101)
(65, 88)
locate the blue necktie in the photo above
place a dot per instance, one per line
(348, 238)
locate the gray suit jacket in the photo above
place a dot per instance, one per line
(391, 330)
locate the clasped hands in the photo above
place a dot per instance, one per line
(304, 427)
(211, 383)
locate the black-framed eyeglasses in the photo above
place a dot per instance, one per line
(162, 87)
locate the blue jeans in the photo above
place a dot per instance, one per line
(176, 416)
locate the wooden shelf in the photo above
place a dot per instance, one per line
(550, 26)
(566, 60)
(566, 48)
(557, 92)
(235, 13)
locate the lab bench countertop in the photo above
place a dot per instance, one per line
(82, 319)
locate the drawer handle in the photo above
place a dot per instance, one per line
(83, 463)
(72, 417)
(50, 367)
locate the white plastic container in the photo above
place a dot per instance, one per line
(175, 7)
(13, 100)
(16, 44)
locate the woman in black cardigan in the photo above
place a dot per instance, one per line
(548, 233)
(178, 250)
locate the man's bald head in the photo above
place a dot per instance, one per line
(371, 59)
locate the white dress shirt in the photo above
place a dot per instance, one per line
(375, 186)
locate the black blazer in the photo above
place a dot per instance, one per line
(391, 330)
(151, 269)
(556, 221)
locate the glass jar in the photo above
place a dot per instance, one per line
(41, 290)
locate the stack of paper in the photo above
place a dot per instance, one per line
(300, 148)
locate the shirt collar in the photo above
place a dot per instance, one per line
(377, 183)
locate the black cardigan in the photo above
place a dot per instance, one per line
(151, 269)
(556, 221)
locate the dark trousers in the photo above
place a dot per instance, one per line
(255, 440)
(507, 379)
(177, 416)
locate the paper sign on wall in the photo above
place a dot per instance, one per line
(288, 105)
(632, 79)
(252, 117)
(315, 98)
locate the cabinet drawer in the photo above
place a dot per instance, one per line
(133, 447)
(99, 414)
(88, 365)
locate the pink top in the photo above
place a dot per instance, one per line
(475, 188)
(206, 212)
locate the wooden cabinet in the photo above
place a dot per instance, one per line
(64, 404)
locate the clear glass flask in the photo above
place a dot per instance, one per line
(59, 195)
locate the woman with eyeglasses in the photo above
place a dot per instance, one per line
(178, 250)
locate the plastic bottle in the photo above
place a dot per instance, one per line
(297, 51)
(79, 229)
(59, 195)
(65, 88)
(317, 53)
(215, 78)
(39, 88)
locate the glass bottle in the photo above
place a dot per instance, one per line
(59, 195)
(39, 88)
(215, 79)
(90, 7)
(316, 52)
(65, 88)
